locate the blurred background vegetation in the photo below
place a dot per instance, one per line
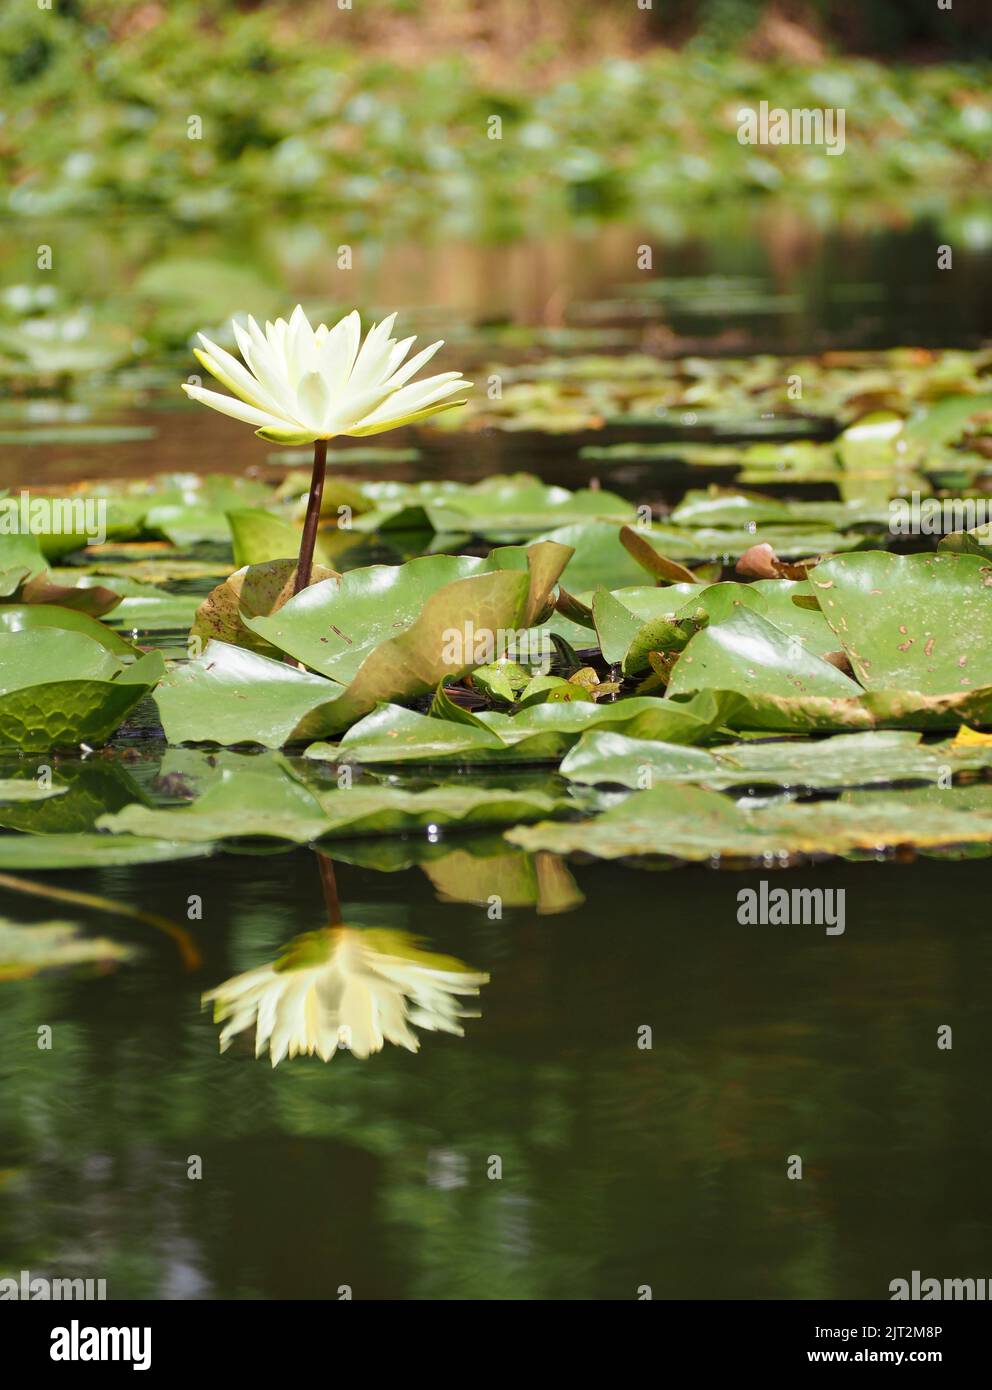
(382, 112)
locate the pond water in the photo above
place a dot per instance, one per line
(550, 1152)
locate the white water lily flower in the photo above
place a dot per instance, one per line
(301, 384)
(345, 987)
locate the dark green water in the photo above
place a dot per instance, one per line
(622, 1166)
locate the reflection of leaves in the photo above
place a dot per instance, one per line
(518, 880)
(85, 790)
(24, 951)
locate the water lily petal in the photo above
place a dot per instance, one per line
(403, 375)
(357, 431)
(313, 400)
(414, 397)
(230, 373)
(371, 361)
(229, 405)
(291, 434)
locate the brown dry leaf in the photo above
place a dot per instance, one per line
(256, 590)
(94, 601)
(670, 571)
(761, 562)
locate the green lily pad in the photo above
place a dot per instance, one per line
(17, 789)
(539, 733)
(270, 801)
(911, 622)
(29, 617)
(334, 626)
(503, 508)
(61, 687)
(845, 760)
(254, 591)
(691, 823)
(90, 850)
(748, 653)
(228, 695)
(751, 510)
(258, 536)
(600, 559)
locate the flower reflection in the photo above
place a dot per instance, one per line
(345, 987)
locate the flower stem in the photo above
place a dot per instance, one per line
(305, 562)
(329, 884)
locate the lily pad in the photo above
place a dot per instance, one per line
(31, 617)
(684, 822)
(748, 653)
(61, 687)
(254, 591)
(539, 733)
(258, 536)
(501, 508)
(911, 622)
(228, 695)
(601, 560)
(90, 850)
(845, 760)
(270, 801)
(334, 626)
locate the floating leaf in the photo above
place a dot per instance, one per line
(911, 622)
(33, 617)
(259, 536)
(845, 760)
(685, 822)
(270, 801)
(748, 653)
(229, 695)
(62, 687)
(539, 733)
(90, 850)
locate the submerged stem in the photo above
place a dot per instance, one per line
(305, 562)
(329, 884)
(188, 952)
